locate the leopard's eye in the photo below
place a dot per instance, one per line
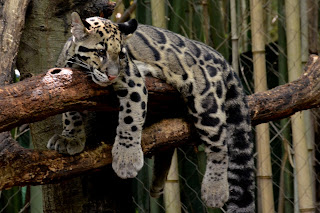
(101, 52)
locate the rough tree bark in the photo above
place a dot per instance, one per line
(20, 166)
(12, 18)
(61, 90)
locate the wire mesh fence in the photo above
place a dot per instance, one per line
(283, 151)
(209, 21)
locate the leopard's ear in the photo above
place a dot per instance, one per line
(78, 30)
(128, 27)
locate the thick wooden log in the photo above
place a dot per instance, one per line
(20, 166)
(61, 90)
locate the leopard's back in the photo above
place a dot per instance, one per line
(215, 98)
(177, 59)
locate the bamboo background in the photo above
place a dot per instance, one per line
(268, 43)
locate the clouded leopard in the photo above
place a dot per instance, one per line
(121, 55)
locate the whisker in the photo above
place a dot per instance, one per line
(87, 68)
(80, 64)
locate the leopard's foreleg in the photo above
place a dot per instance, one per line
(127, 152)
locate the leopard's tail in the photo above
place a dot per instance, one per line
(240, 148)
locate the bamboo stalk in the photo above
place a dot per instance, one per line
(304, 32)
(302, 168)
(288, 194)
(264, 172)
(217, 28)
(178, 13)
(281, 204)
(308, 120)
(171, 188)
(288, 186)
(313, 41)
(36, 204)
(313, 14)
(197, 21)
(190, 19)
(143, 12)
(119, 9)
(158, 13)
(234, 36)
(244, 26)
(310, 133)
(205, 18)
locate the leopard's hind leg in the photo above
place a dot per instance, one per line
(210, 122)
(215, 187)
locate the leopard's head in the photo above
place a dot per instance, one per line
(99, 46)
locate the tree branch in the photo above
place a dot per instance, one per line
(20, 166)
(61, 90)
(285, 100)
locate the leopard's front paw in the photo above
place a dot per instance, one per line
(66, 145)
(127, 159)
(215, 189)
